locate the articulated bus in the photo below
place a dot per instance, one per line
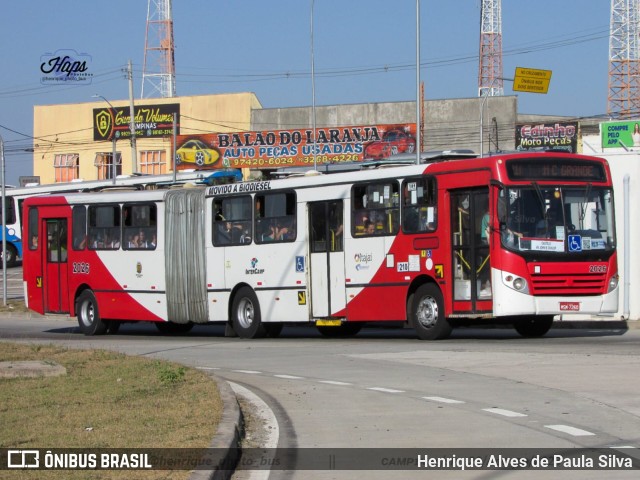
(15, 196)
(509, 238)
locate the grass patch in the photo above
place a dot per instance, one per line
(106, 400)
(13, 306)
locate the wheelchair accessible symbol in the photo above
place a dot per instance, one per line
(299, 264)
(575, 243)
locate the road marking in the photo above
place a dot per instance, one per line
(442, 400)
(506, 413)
(290, 377)
(335, 382)
(208, 368)
(247, 371)
(576, 432)
(386, 390)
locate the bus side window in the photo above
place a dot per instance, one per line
(104, 227)
(79, 227)
(276, 217)
(139, 226)
(419, 202)
(232, 221)
(375, 209)
(33, 228)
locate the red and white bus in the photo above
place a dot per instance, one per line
(516, 238)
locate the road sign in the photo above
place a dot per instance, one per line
(531, 80)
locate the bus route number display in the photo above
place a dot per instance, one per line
(552, 169)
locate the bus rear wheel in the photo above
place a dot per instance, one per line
(88, 315)
(427, 313)
(245, 315)
(12, 256)
(533, 326)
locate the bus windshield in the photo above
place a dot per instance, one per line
(554, 219)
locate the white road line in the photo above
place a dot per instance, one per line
(290, 377)
(270, 424)
(247, 371)
(442, 400)
(334, 382)
(576, 432)
(505, 413)
(208, 368)
(386, 390)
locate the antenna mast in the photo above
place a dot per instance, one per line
(490, 70)
(158, 72)
(624, 92)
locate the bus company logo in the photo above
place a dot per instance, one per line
(139, 269)
(362, 260)
(254, 270)
(63, 66)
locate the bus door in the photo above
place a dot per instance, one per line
(326, 254)
(471, 261)
(54, 283)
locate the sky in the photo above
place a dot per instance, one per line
(364, 51)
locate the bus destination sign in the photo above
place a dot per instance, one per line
(555, 169)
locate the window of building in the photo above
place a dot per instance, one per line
(140, 226)
(275, 217)
(419, 204)
(232, 221)
(375, 209)
(104, 227)
(105, 166)
(153, 162)
(66, 167)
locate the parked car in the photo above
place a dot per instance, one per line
(198, 152)
(393, 141)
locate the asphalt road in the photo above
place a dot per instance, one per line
(15, 289)
(482, 388)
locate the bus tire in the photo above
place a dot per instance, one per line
(12, 256)
(533, 326)
(170, 328)
(344, 330)
(88, 315)
(427, 313)
(245, 315)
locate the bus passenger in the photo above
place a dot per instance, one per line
(369, 227)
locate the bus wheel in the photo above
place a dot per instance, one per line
(245, 315)
(12, 256)
(427, 311)
(344, 330)
(534, 326)
(88, 316)
(273, 329)
(170, 328)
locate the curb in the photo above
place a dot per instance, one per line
(227, 438)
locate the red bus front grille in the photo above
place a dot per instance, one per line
(592, 284)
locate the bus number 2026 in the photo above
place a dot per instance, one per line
(80, 267)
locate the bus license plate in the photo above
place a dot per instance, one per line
(569, 306)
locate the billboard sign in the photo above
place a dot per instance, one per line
(293, 148)
(150, 121)
(531, 80)
(557, 136)
(620, 134)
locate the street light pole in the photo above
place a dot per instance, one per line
(113, 137)
(484, 100)
(4, 225)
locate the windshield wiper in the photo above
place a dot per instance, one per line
(583, 207)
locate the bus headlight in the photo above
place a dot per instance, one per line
(514, 282)
(613, 283)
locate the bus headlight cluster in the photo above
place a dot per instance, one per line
(613, 283)
(516, 283)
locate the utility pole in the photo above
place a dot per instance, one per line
(132, 121)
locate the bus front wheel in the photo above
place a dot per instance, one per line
(427, 312)
(245, 315)
(88, 316)
(534, 326)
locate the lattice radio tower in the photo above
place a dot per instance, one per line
(490, 71)
(158, 72)
(624, 68)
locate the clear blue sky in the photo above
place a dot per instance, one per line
(364, 52)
